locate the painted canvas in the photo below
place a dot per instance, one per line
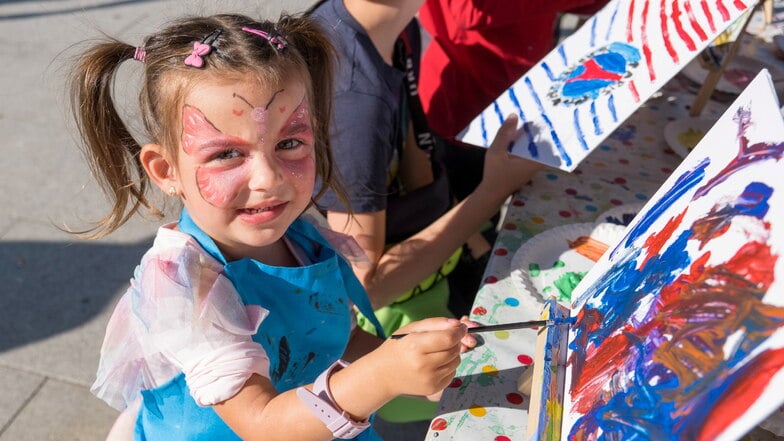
(590, 83)
(679, 328)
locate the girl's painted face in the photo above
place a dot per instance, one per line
(246, 162)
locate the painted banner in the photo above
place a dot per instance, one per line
(590, 83)
(679, 329)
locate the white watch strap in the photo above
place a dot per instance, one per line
(323, 406)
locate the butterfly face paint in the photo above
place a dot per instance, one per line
(219, 182)
(259, 114)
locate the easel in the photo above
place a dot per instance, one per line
(544, 381)
(715, 73)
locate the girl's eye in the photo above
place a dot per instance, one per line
(227, 154)
(289, 144)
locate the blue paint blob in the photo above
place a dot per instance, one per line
(511, 301)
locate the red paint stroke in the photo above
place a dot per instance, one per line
(740, 5)
(725, 14)
(693, 21)
(708, 15)
(665, 30)
(646, 49)
(742, 394)
(598, 367)
(655, 242)
(633, 90)
(629, 21)
(676, 18)
(754, 261)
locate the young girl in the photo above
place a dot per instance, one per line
(238, 316)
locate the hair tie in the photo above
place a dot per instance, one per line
(140, 54)
(277, 41)
(202, 48)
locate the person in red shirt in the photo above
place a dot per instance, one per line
(478, 49)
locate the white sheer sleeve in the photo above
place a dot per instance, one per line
(181, 314)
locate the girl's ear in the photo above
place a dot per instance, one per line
(159, 168)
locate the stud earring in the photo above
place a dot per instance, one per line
(172, 191)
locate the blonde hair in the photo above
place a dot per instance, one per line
(113, 153)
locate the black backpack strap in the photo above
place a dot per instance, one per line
(405, 60)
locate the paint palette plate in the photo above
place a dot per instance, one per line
(682, 135)
(737, 75)
(552, 263)
(620, 215)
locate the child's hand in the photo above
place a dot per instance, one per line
(424, 361)
(469, 341)
(505, 173)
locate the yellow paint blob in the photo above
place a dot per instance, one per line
(490, 370)
(537, 220)
(477, 410)
(501, 335)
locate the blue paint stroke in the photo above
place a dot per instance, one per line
(549, 72)
(611, 108)
(593, 31)
(498, 113)
(578, 129)
(533, 150)
(483, 127)
(683, 184)
(597, 128)
(612, 22)
(562, 53)
(565, 156)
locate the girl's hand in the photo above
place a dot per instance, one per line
(505, 173)
(469, 341)
(424, 361)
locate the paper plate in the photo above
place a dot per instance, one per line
(737, 75)
(682, 135)
(620, 215)
(552, 263)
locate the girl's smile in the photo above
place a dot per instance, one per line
(246, 164)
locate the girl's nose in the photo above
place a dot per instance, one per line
(265, 172)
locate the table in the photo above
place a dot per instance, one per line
(482, 403)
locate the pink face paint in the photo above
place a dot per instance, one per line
(217, 185)
(195, 126)
(259, 114)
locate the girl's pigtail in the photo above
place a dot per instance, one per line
(111, 152)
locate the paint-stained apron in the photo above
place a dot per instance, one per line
(306, 330)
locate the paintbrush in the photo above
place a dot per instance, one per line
(507, 326)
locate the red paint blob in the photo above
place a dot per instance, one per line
(518, 203)
(479, 310)
(438, 424)
(510, 226)
(525, 359)
(565, 213)
(502, 438)
(491, 279)
(514, 398)
(616, 202)
(456, 383)
(501, 252)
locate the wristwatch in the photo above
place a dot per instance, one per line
(321, 403)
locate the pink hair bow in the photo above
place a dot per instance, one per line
(199, 50)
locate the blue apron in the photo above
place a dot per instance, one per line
(307, 329)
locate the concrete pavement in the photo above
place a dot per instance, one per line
(56, 292)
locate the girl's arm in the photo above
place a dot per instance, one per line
(398, 269)
(422, 363)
